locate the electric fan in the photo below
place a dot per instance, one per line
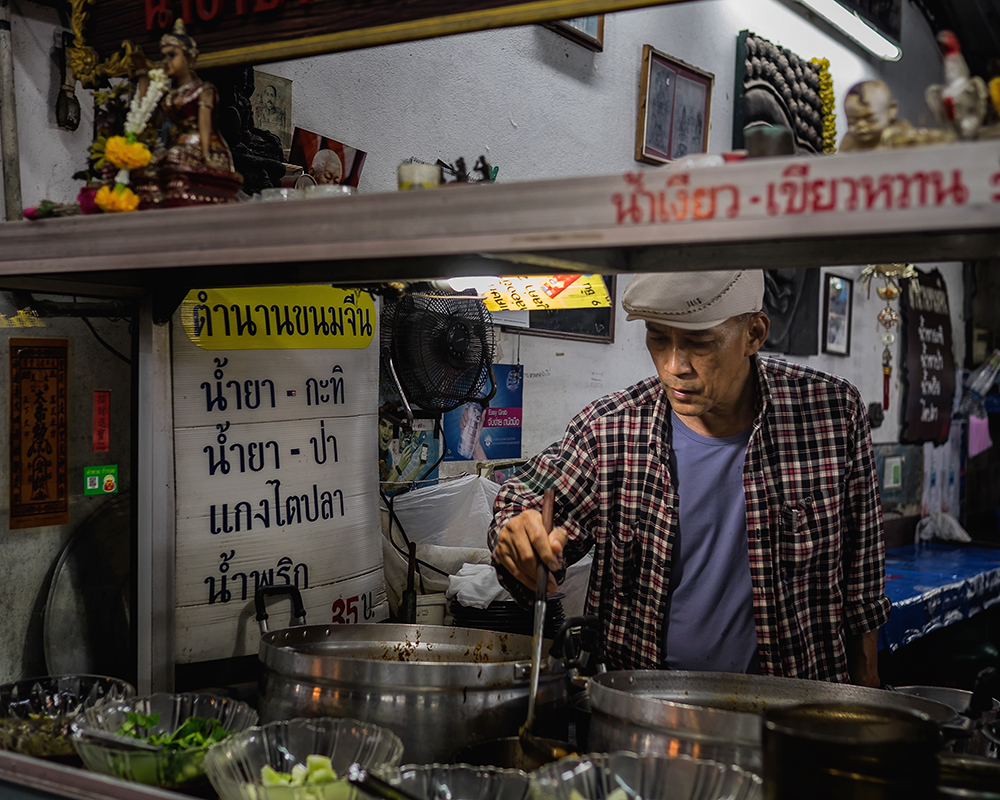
(438, 349)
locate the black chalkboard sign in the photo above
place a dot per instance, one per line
(928, 370)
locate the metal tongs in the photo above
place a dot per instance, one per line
(375, 786)
(530, 743)
(113, 739)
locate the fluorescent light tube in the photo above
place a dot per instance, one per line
(858, 29)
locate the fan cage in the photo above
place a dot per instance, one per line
(441, 346)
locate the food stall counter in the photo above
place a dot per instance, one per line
(933, 585)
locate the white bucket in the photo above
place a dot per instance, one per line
(430, 609)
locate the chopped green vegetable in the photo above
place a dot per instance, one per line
(182, 759)
(193, 732)
(317, 769)
(614, 794)
(314, 780)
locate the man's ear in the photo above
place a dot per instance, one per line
(757, 329)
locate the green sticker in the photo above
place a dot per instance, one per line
(100, 480)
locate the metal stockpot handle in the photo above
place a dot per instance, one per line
(583, 653)
(298, 608)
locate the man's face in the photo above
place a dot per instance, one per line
(326, 170)
(384, 434)
(269, 97)
(702, 372)
(867, 117)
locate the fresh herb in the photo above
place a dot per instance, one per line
(182, 759)
(193, 732)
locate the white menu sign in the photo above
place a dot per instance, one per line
(275, 425)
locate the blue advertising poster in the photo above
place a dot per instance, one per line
(406, 456)
(473, 433)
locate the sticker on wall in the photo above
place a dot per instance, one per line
(100, 480)
(39, 432)
(102, 422)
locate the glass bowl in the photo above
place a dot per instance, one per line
(35, 713)
(459, 782)
(234, 765)
(168, 768)
(625, 775)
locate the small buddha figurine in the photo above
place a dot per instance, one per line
(189, 105)
(195, 165)
(872, 120)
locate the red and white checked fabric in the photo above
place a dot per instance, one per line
(814, 519)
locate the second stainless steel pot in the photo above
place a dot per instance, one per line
(438, 688)
(714, 714)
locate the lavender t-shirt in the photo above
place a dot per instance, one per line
(710, 623)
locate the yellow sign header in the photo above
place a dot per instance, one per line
(547, 292)
(279, 318)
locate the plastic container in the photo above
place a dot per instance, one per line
(418, 176)
(328, 190)
(35, 714)
(435, 781)
(650, 776)
(430, 609)
(167, 768)
(234, 765)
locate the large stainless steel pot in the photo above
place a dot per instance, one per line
(714, 714)
(982, 735)
(438, 688)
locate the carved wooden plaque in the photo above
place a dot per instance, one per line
(39, 432)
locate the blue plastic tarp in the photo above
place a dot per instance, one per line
(933, 585)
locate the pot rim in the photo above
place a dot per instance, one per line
(311, 652)
(628, 697)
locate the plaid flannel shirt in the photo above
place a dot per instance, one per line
(814, 519)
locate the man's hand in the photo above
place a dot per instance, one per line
(522, 543)
(862, 659)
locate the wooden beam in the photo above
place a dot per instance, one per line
(300, 29)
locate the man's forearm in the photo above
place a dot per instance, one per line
(862, 658)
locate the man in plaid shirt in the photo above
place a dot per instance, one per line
(731, 501)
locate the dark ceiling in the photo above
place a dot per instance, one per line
(977, 25)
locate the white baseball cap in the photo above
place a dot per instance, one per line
(694, 300)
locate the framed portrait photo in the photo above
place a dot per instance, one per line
(271, 102)
(675, 101)
(586, 31)
(326, 160)
(838, 307)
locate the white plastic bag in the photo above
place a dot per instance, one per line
(941, 527)
(454, 513)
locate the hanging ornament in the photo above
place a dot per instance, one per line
(888, 317)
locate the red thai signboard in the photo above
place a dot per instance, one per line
(102, 422)
(258, 31)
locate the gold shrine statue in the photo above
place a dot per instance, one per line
(194, 166)
(873, 122)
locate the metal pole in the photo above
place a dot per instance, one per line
(155, 495)
(10, 159)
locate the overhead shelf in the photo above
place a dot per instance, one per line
(921, 204)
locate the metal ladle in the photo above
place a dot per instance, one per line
(531, 744)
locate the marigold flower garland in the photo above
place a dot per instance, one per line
(127, 152)
(827, 102)
(116, 198)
